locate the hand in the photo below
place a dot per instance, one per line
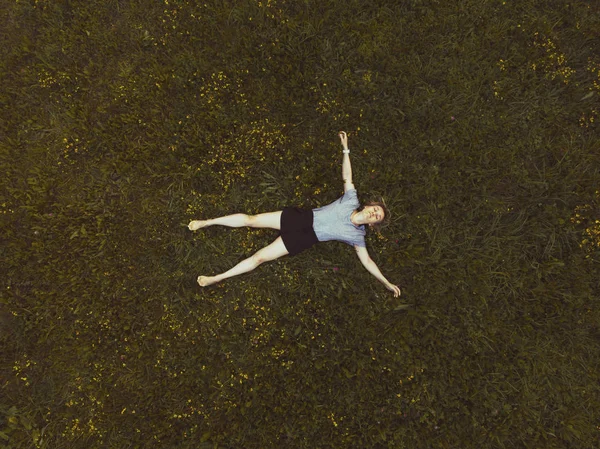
(344, 139)
(395, 289)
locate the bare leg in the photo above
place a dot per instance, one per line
(244, 266)
(268, 220)
(233, 221)
(270, 252)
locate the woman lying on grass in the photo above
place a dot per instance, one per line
(299, 229)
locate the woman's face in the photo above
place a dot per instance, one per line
(373, 214)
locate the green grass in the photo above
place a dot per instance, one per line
(476, 121)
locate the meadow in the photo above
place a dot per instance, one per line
(476, 121)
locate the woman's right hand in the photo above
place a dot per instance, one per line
(344, 139)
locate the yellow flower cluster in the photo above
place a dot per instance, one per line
(271, 10)
(213, 88)
(277, 353)
(253, 145)
(591, 234)
(80, 397)
(327, 104)
(45, 79)
(497, 93)
(588, 118)
(259, 318)
(196, 208)
(289, 279)
(553, 63)
(170, 20)
(175, 325)
(6, 209)
(20, 366)
(331, 416)
(71, 148)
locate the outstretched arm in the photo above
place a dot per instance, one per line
(372, 268)
(346, 168)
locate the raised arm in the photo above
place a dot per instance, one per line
(346, 168)
(372, 268)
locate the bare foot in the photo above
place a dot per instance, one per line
(205, 281)
(196, 224)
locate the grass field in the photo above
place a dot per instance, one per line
(475, 120)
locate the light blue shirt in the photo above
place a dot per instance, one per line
(332, 222)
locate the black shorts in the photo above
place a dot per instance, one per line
(297, 229)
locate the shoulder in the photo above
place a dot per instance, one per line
(350, 193)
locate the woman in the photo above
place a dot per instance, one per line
(342, 220)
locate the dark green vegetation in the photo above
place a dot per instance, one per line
(476, 120)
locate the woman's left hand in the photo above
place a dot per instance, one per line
(395, 289)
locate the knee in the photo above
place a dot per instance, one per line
(249, 220)
(258, 258)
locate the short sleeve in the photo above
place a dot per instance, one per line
(360, 243)
(351, 195)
